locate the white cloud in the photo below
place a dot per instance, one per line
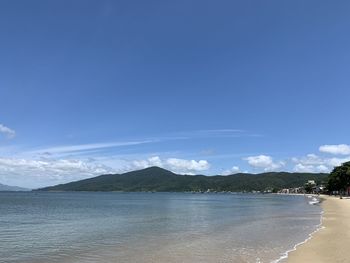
(341, 149)
(152, 161)
(301, 168)
(155, 161)
(337, 161)
(174, 164)
(264, 162)
(187, 165)
(314, 163)
(47, 170)
(322, 168)
(310, 159)
(9, 133)
(42, 172)
(233, 170)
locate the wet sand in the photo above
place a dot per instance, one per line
(331, 243)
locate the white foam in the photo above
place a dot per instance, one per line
(285, 254)
(314, 201)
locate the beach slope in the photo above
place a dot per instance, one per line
(331, 243)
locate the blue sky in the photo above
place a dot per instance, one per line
(209, 87)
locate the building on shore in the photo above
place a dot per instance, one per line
(295, 190)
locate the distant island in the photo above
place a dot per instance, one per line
(9, 188)
(155, 179)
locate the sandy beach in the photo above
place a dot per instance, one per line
(331, 243)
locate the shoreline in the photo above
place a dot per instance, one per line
(285, 256)
(329, 242)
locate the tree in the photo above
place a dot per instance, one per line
(339, 178)
(308, 188)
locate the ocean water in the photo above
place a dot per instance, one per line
(151, 227)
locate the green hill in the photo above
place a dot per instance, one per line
(161, 180)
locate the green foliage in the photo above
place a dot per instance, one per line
(339, 178)
(308, 188)
(160, 180)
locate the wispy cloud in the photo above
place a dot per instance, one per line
(213, 133)
(9, 133)
(217, 133)
(68, 149)
(85, 149)
(222, 131)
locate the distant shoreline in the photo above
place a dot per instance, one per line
(330, 243)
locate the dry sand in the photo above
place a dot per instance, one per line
(330, 244)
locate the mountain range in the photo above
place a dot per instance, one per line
(160, 180)
(4, 187)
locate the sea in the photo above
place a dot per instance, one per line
(108, 227)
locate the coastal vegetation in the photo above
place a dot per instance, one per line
(160, 180)
(339, 179)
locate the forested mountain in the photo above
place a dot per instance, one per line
(161, 180)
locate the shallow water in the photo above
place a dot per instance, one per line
(151, 227)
